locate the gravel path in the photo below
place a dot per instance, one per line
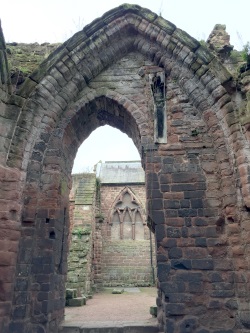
(130, 306)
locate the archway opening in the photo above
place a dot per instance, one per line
(106, 143)
(110, 183)
(189, 177)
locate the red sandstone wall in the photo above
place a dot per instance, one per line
(109, 194)
(197, 183)
(127, 263)
(10, 232)
(124, 262)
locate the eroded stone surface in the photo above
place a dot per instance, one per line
(197, 183)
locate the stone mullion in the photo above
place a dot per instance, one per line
(132, 217)
(121, 217)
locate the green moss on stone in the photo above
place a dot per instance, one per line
(153, 311)
(186, 39)
(220, 71)
(81, 230)
(165, 25)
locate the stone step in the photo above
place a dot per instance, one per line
(109, 327)
(78, 301)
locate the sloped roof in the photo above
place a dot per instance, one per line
(124, 172)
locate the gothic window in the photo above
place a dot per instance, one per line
(126, 217)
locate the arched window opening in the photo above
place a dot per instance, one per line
(126, 217)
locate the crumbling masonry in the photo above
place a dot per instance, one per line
(186, 107)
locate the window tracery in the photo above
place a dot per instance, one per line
(126, 217)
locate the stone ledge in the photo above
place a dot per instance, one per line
(78, 301)
(110, 327)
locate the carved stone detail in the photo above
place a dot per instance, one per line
(158, 89)
(126, 210)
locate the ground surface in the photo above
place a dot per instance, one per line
(131, 306)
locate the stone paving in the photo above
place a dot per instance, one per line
(116, 310)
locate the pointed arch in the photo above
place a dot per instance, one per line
(60, 80)
(58, 107)
(127, 210)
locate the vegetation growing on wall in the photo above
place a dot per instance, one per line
(79, 231)
(23, 59)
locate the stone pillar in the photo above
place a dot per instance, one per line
(195, 271)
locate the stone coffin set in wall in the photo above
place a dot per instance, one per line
(185, 104)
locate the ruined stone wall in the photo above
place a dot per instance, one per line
(82, 228)
(10, 199)
(193, 252)
(114, 262)
(125, 262)
(197, 172)
(23, 59)
(79, 275)
(4, 70)
(109, 193)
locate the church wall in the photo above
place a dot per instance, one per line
(197, 177)
(125, 261)
(82, 226)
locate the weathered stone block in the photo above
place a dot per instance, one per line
(117, 291)
(201, 242)
(232, 304)
(169, 242)
(172, 204)
(185, 203)
(157, 217)
(172, 287)
(157, 204)
(71, 293)
(19, 312)
(174, 309)
(203, 264)
(194, 194)
(153, 311)
(188, 325)
(78, 301)
(165, 25)
(185, 212)
(196, 203)
(187, 177)
(173, 232)
(196, 287)
(189, 276)
(175, 253)
(181, 264)
(223, 293)
(245, 319)
(163, 271)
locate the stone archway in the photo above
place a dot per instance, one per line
(135, 71)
